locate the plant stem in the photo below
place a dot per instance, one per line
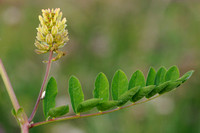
(42, 87)
(11, 93)
(25, 128)
(9, 87)
(88, 115)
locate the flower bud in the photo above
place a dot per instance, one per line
(58, 37)
(45, 29)
(38, 51)
(45, 17)
(49, 38)
(59, 16)
(57, 11)
(39, 29)
(65, 33)
(50, 15)
(66, 39)
(40, 37)
(51, 23)
(54, 30)
(41, 20)
(64, 21)
(38, 45)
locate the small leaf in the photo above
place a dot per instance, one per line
(75, 92)
(186, 76)
(172, 74)
(119, 84)
(151, 76)
(157, 89)
(142, 92)
(160, 76)
(58, 111)
(127, 96)
(170, 86)
(20, 115)
(105, 105)
(101, 89)
(137, 79)
(14, 112)
(88, 105)
(50, 96)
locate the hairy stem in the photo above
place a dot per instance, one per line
(88, 115)
(42, 87)
(9, 87)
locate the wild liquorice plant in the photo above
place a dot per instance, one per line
(51, 36)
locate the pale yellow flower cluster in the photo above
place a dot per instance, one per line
(52, 33)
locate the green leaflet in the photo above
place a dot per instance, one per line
(119, 84)
(105, 105)
(14, 113)
(160, 76)
(157, 89)
(137, 79)
(58, 111)
(186, 76)
(172, 74)
(151, 76)
(50, 96)
(127, 96)
(101, 89)
(142, 92)
(75, 92)
(170, 86)
(88, 105)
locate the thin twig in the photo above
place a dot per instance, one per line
(9, 87)
(42, 87)
(88, 115)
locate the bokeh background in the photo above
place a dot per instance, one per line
(105, 35)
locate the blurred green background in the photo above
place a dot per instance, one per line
(105, 35)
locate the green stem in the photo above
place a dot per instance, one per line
(88, 115)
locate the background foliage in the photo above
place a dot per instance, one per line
(105, 36)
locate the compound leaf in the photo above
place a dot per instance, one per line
(101, 89)
(50, 96)
(75, 92)
(119, 84)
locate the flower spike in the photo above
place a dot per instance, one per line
(51, 33)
